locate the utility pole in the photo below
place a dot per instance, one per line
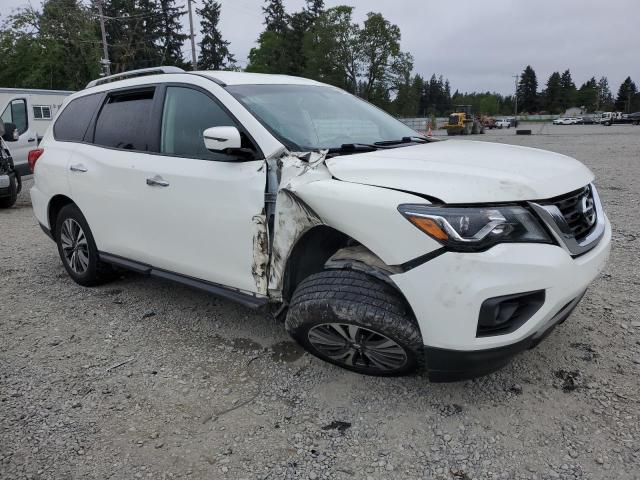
(194, 60)
(106, 64)
(517, 77)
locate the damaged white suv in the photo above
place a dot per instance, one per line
(382, 249)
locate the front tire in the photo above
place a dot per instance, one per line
(355, 321)
(78, 250)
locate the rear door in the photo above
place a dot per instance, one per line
(17, 112)
(104, 171)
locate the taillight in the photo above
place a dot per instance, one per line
(33, 157)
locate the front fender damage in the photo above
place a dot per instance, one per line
(289, 216)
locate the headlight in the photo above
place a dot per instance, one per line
(475, 228)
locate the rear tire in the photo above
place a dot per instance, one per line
(78, 250)
(355, 321)
(10, 200)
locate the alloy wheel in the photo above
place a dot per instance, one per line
(356, 346)
(74, 246)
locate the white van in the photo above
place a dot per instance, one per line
(31, 111)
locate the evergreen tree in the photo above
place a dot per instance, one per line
(407, 100)
(133, 31)
(275, 17)
(214, 51)
(528, 90)
(314, 9)
(626, 94)
(605, 98)
(552, 93)
(587, 95)
(567, 91)
(172, 38)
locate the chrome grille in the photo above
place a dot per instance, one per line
(575, 219)
(578, 210)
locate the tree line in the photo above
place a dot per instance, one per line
(59, 47)
(560, 93)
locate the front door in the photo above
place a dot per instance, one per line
(16, 112)
(196, 207)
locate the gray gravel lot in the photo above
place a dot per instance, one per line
(145, 379)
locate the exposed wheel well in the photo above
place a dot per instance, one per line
(55, 205)
(319, 244)
(309, 255)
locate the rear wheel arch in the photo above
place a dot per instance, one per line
(55, 205)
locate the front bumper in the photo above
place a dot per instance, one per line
(446, 294)
(453, 365)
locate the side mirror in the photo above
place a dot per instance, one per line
(221, 139)
(10, 133)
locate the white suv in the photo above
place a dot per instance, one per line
(382, 249)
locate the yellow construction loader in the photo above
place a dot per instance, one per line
(463, 122)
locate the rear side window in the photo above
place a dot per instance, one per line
(123, 120)
(186, 114)
(74, 120)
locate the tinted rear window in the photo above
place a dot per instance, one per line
(72, 123)
(123, 120)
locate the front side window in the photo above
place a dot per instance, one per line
(16, 113)
(309, 117)
(186, 114)
(74, 120)
(123, 120)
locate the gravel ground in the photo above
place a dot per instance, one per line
(146, 379)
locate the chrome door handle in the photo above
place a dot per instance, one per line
(157, 181)
(78, 167)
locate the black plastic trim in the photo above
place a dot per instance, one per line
(534, 301)
(23, 169)
(246, 299)
(215, 80)
(445, 365)
(47, 231)
(422, 259)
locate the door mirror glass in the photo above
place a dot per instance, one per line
(10, 133)
(221, 139)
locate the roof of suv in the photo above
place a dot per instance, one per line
(221, 77)
(244, 78)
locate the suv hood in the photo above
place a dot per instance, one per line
(462, 171)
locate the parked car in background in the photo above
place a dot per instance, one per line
(611, 118)
(503, 123)
(31, 111)
(383, 250)
(566, 121)
(587, 120)
(634, 117)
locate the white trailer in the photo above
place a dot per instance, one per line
(31, 110)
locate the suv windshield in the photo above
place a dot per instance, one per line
(309, 117)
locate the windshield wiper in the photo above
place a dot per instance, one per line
(401, 141)
(353, 148)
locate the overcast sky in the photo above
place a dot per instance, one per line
(479, 45)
